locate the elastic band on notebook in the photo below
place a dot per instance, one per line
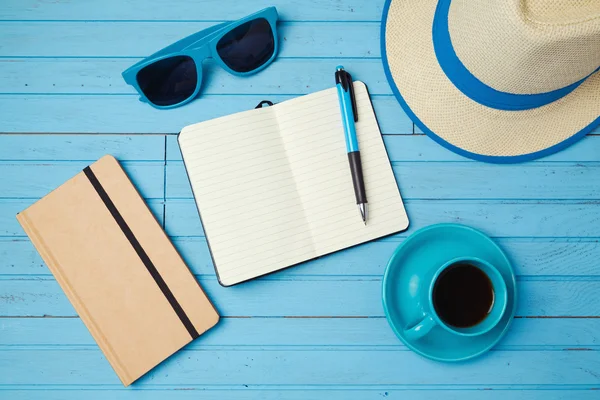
(141, 253)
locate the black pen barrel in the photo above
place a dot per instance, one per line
(357, 177)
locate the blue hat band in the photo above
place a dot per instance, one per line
(470, 85)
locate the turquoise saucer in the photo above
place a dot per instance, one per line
(423, 251)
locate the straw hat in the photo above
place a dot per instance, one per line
(496, 80)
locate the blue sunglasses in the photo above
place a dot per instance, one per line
(172, 76)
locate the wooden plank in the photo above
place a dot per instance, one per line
(19, 257)
(342, 367)
(466, 180)
(285, 393)
(530, 257)
(97, 10)
(268, 333)
(172, 151)
(140, 39)
(417, 181)
(31, 180)
(103, 76)
(9, 209)
(419, 148)
(498, 219)
(346, 297)
(125, 114)
(81, 147)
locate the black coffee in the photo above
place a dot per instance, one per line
(463, 295)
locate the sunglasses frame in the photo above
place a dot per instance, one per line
(200, 46)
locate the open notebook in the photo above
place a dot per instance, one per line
(273, 185)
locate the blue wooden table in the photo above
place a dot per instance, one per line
(316, 331)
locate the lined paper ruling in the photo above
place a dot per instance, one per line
(273, 185)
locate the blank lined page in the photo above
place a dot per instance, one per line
(273, 185)
(313, 136)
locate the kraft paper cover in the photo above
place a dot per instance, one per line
(118, 268)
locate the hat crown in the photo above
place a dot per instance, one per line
(526, 46)
(560, 12)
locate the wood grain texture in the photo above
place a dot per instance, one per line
(338, 10)
(525, 333)
(283, 393)
(565, 219)
(430, 181)
(419, 148)
(19, 148)
(35, 180)
(530, 257)
(103, 76)
(318, 367)
(124, 114)
(140, 39)
(60, 64)
(322, 297)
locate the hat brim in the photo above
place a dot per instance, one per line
(461, 124)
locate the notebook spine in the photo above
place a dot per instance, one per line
(82, 311)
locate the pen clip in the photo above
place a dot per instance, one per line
(352, 98)
(345, 79)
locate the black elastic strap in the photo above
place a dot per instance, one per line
(141, 253)
(264, 103)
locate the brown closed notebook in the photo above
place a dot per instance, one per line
(118, 268)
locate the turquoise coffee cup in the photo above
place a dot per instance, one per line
(431, 318)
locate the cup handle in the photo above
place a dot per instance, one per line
(420, 329)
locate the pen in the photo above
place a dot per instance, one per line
(345, 90)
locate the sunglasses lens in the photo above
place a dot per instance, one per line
(169, 81)
(248, 46)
